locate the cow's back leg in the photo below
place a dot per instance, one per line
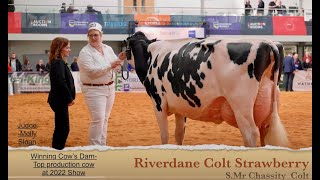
(243, 112)
(262, 136)
(185, 124)
(272, 131)
(179, 132)
(162, 120)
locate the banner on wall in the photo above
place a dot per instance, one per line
(168, 33)
(14, 22)
(116, 23)
(31, 82)
(289, 25)
(76, 23)
(41, 23)
(152, 20)
(229, 25)
(186, 20)
(256, 25)
(302, 80)
(132, 84)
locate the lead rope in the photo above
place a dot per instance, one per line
(124, 68)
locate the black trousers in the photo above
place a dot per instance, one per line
(61, 130)
(291, 82)
(288, 80)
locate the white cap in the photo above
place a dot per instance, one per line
(95, 26)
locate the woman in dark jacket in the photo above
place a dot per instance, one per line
(62, 91)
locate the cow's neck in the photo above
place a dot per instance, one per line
(141, 57)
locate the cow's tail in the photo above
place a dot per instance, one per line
(276, 134)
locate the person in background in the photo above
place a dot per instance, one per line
(90, 10)
(48, 66)
(74, 65)
(297, 62)
(15, 63)
(26, 65)
(271, 6)
(71, 9)
(9, 67)
(281, 9)
(63, 8)
(62, 90)
(40, 66)
(248, 8)
(307, 61)
(260, 10)
(288, 68)
(97, 62)
(297, 66)
(11, 7)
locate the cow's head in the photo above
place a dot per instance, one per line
(138, 39)
(137, 44)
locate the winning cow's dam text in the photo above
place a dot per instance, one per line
(63, 163)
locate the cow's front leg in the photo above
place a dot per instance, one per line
(179, 133)
(163, 125)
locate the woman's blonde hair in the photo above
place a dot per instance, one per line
(57, 45)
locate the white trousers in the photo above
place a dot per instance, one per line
(99, 100)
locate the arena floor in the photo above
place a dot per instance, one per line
(133, 123)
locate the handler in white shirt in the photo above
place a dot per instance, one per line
(97, 62)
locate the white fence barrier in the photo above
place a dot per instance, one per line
(10, 87)
(32, 82)
(23, 82)
(302, 80)
(132, 84)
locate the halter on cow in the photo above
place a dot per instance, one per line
(213, 80)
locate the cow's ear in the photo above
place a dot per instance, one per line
(153, 40)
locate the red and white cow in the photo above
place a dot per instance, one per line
(213, 80)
